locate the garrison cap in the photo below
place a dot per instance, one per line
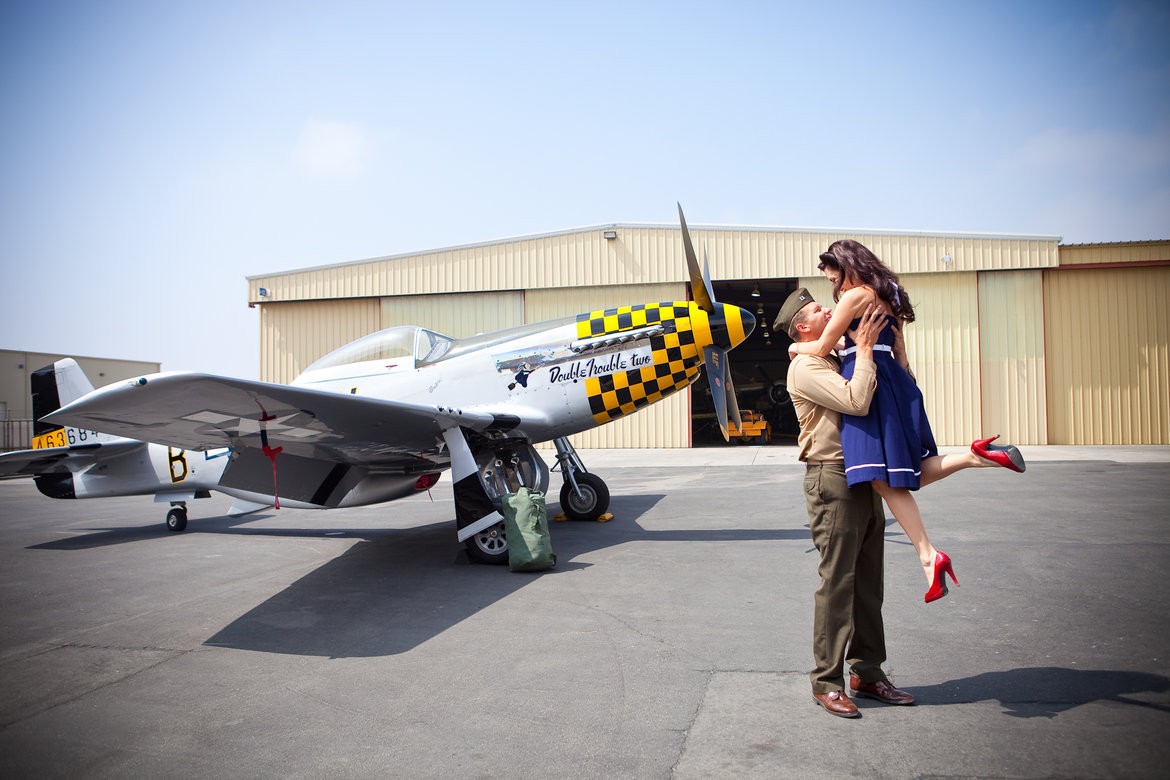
(797, 301)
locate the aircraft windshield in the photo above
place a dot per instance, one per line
(431, 346)
(391, 344)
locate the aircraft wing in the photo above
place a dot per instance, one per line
(63, 460)
(202, 411)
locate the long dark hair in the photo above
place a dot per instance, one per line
(854, 259)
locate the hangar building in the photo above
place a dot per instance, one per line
(1019, 335)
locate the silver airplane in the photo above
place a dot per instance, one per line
(382, 417)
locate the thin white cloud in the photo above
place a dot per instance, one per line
(332, 149)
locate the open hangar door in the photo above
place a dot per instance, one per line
(759, 367)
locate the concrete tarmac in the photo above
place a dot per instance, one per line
(673, 641)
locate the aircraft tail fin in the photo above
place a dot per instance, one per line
(55, 386)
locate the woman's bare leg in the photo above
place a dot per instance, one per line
(940, 466)
(901, 502)
(905, 508)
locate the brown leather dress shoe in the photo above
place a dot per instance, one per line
(882, 690)
(837, 703)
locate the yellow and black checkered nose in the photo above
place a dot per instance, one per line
(676, 351)
(725, 328)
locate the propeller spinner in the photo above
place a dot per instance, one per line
(729, 325)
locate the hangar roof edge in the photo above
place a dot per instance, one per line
(667, 226)
(1118, 243)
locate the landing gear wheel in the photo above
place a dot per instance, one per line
(591, 503)
(489, 545)
(177, 520)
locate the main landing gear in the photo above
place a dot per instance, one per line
(177, 517)
(489, 545)
(584, 496)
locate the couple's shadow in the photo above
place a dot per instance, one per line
(1045, 692)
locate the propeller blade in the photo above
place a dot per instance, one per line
(722, 390)
(707, 278)
(716, 359)
(732, 402)
(700, 282)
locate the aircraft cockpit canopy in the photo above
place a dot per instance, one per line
(403, 347)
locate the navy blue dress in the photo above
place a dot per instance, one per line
(890, 442)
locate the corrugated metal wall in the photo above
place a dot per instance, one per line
(1011, 356)
(577, 259)
(763, 254)
(639, 255)
(1108, 332)
(550, 304)
(664, 424)
(1121, 252)
(294, 334)
(456, 315)
(943, 346)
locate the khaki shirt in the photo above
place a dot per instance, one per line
(821, 396)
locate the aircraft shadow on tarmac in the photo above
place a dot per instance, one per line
(398, 587)
(1047, 691)
(104, 537)
(389, 594)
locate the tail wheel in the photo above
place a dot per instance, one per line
(177, 520)
(590, 503)
(489, 545)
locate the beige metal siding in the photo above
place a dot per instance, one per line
(1107, 333)
(640, 255)
(294, 334)
(456, 315)
(571, 259)
(1123, 252)
(943, 347)
(1011, 356)
(819, 287)
(663, 424)
(565, 302)
(776, 255)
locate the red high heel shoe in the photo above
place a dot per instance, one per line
(1007, 455)
(938, 585)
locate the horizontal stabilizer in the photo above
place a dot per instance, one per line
(202, 411)
(64, 460)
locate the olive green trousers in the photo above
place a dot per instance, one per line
(848, 530)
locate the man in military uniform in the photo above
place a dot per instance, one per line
(847, 523)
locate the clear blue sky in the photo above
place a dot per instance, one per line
(154, 154)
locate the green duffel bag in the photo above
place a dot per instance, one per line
(526, 526)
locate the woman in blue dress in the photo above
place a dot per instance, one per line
(892, 446)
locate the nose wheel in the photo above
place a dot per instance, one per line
(584, 496)
(588, 501)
